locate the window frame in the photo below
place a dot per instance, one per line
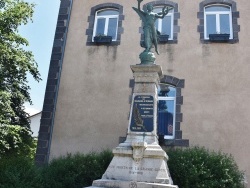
(217, 16)
(235, 16)
(160, 22)
(176, 17)
(167, 98)
(107, 18)
(91, 20)
(178, 84)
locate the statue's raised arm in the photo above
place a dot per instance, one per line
(139, 4)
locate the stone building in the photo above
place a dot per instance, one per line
(205, 62)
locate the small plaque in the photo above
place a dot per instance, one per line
(142, 119)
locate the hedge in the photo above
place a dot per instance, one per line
(191, 167)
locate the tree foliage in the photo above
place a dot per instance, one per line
(15, 64)
(16, 140)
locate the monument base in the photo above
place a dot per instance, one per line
(128, 184)
(137, 164)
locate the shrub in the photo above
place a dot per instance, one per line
(200, 168)
(75, 171)
(191, 167)
(18, 172)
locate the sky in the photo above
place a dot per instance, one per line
(40, 34)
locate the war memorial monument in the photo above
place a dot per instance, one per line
(140, 162)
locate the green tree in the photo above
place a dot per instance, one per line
(15, 64)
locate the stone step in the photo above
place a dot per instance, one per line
(103, 183)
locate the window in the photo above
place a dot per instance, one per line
(168, 25)
(170, 101)
(218, 20)
(166, 111)
(105, 19)
(106, 23)
(165, 25)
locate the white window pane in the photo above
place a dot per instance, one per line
(166, 117)
(100, 26)
(211, 24)
(107, 13)
(224, 24)
(112, 28)
(157, 10)
(172, 92)
(217, 8)
(166, 111)
(166, 26)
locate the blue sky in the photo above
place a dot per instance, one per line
(40, 35)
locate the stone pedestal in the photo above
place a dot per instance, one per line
(140, 162)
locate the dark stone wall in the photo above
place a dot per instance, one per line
(49, 106)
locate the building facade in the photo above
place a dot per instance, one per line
(206, 76)
(35, 123)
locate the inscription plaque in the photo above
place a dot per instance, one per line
(142, 119)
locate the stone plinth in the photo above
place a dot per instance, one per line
(147, 78)
(128, 184)
(140, 162)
